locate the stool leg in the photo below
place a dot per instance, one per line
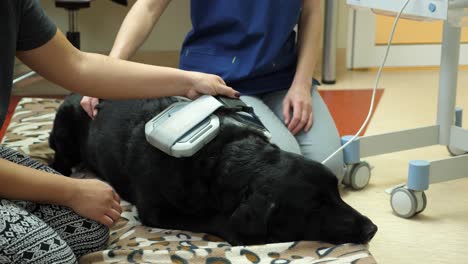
(73, 35)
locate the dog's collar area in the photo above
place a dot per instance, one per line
(185, 127)
(244, 120)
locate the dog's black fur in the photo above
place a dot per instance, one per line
(239, 186)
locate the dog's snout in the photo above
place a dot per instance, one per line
(369, 231)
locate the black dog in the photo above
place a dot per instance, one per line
(239, 186)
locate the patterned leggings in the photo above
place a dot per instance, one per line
(38, 233)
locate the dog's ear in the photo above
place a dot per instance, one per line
(250, 220)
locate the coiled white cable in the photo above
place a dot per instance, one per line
(375, 86)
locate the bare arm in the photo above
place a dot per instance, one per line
(298, 100)
(133, 32)
(309, 39)
(90, 198)
(104, 77)
(137, 26)
(22, 183)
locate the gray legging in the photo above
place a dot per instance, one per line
(317, 144)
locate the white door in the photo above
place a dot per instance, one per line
(416, 43)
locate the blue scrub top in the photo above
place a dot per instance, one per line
(251, 44)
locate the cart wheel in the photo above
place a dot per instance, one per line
(358, 175)
(407, 203)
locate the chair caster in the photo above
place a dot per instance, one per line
(407, 203)
(357, 175)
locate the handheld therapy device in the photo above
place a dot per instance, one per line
(185, 127)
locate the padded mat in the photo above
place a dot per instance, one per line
(131, 242)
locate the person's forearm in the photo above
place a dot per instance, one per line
(128, 79)
(309, 39)
(136, 27)
(104, 77)
(22, 183)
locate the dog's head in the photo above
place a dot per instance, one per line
(67, 135)
(302, 204)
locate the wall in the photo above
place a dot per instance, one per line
(342, 24)
(100, 23)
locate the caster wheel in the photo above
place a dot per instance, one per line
(407, 203)
(422, 202)
(455, 151)
(403, 203)
(358, 175)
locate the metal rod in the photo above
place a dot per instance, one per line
(398, 141)
(329, 42)
(72, 18)
(448, 81)
(24, 77)
(448, 169)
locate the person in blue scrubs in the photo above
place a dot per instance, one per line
(254, 47)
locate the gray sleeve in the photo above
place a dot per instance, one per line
(35, 28)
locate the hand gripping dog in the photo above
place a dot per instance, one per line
(185, 127)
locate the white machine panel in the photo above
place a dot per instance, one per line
(416, 9)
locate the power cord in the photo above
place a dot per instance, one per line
(371, 108)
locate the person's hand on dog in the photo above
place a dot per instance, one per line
(209, 84)
(298, 101)
(95, 200)
(89, 105)
(202, 84)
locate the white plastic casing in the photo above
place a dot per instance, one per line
(416, 9)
